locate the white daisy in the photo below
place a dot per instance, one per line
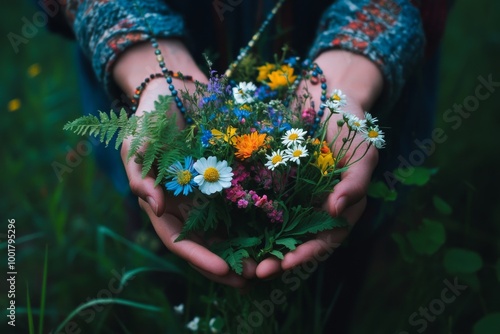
(275, 159)
(370, 120)
(213, 175)
(355, 123)
(296, 152)
(375, 136)
(243, 93)
(333, 105)
(293, 136)
(338, 97)
(193, 324)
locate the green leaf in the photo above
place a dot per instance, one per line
(235, 259)
(414, 175)
(244, 242)
(441, 205)
(460, 260)
(489, 324)
(380, 190)
(315, 222)
(289, 243)
(277, 253)
(407, 252)
(428, 238)
(31, 327)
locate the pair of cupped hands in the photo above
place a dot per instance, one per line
(355, 75)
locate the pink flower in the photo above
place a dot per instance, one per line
(308, 115)
(260, 202)
(242, 203)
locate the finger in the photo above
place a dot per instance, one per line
(249, 268)
(316, 250)
(353, 185)
(143, 187)
(168, 228)
(232, 279)
(268, 268)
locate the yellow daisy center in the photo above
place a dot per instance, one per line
(211, 174)
(357, 124)
(276, 159)
(183, 177)
(336, 97)
(293, 136)
(373, 134)
(297, 153)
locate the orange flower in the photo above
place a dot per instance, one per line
(247, 144)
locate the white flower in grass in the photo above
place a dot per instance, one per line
(355, 123)
(275, 159)
(243, 93)
(293, 136)
(375, 136)
(193, 324)
(296, 152)
(213, 175)
(179, 309)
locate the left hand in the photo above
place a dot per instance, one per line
(361, 81)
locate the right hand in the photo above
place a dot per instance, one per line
(161, 208)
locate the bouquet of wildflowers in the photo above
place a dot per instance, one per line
(254, 158)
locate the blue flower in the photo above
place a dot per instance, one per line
(183, 179)
(206, 135)
(241, 113)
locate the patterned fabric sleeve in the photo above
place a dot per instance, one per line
(105, 28)
(388, 32)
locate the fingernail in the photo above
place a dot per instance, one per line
(152, 203)
(340, 205)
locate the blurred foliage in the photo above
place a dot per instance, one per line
(445, 232)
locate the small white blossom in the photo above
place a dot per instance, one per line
(179, 309)
(355, 123)
(243, 93)
(293, 136)
(375, 136)
(193, 324)
(275, 159)
(296, 152)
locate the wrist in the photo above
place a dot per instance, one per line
(357, 76)
(139, 61)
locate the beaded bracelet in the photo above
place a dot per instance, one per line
(139, 89)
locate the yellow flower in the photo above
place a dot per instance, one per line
(14, 105)
(229, 136)
(264, 71)
(324, 162)
(281, 77)
(249, 143)
(324, 159)
(34, 70)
